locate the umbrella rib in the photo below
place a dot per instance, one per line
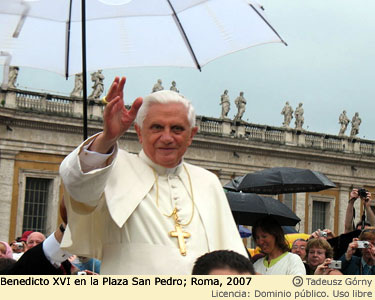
(268, 24)
(182, 31)
(67, 42)
(84, 68)
(17, 31)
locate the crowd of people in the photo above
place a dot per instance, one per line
(153, 213)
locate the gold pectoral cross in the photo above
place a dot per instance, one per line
(181, 236)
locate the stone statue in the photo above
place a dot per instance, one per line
(173, 87)
(157, 87)
(12, 77)
(225, 104)
(78, 86)
(288, 114)
(356, 121)
(298, 114)
(98, 86)
(343, 121)
(240, 102)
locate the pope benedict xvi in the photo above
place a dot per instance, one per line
(150, 213)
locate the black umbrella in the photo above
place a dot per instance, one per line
(289, 229)
(280, 180)
(247, 208)
(340, 243)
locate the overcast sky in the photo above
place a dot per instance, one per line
(328, 65)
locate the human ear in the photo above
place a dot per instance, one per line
(139, 132)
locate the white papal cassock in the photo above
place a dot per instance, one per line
(113, 214)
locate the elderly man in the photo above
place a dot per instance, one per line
(34, 239)
(150, 213)
(299, 248)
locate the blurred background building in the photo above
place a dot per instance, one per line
(38, 130)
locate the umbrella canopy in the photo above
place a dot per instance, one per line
(280, 180)
(247, 208)
(189, 33)
(244, 232)
(289, 229)
(340, 243)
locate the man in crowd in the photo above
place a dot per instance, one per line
(44, 258)
(299, 248)
(365, 265)
(34, 239)
(150, 213)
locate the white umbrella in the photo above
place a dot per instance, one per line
(47, 34)
(139, 33)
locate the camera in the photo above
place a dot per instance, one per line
(19, 245)
(81, 273)
(323, 234)
(363, 244)
(335, 264)
(362, 193)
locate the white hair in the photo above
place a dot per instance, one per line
(165, 97)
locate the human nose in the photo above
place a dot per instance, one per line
(166, 136)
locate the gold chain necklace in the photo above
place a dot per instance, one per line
(178, 233)
(174, 211)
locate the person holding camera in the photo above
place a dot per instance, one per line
(365, 197)
(317, 251)
(365, 265)
(329, 267)
(322, 234)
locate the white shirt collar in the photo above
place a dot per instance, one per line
(160, 169)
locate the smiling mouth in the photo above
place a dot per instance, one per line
(166, 149)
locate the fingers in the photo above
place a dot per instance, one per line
(135, 107)
(353, 245)
(354, 194)
(327, 261)
(112, 89)
(116, 89)
(314, 235)
(368, 197)
(111, 106)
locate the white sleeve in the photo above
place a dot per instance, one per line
(91, 160)
(296, 266)
(53, 252)
(82, 184)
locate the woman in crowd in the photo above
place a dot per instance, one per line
(269, 236)
(317, 250)
(5, 250)
(365, 265)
